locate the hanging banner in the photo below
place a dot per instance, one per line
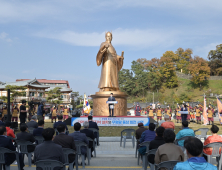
(205, 112)
(219, 108)
(113, 121)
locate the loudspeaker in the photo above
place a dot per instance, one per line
(14, 125)
(68, 121)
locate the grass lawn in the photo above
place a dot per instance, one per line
(115, 131)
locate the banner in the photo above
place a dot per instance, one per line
(113, 121)
(219, 108)
(205, 112)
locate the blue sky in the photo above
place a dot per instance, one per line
(54, 39)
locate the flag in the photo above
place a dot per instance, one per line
(219, 108)
(86, 105)
(205, 112)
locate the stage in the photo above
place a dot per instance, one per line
(113, 121)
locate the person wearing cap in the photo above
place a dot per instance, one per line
(111, 106)
(41, 111)
(168, 111)
(159, 113)
(194, 148)
(140, 130)
(137, 110)
(210, 112)
(198, 111)
(168, 124)
(150, 111)
(23, 112)
(184, 108)
(15, 112)
(186, 131)
(178, 115)
(33, 122)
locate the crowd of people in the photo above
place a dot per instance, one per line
(163, 139)
(55, 138)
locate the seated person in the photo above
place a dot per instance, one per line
(59, 123)
(7, 143)
(38, 131)
(48, 149)
(65, 141)
(169, 151)
(211, 139)
(32, 123)
(154, 144)
(168, 124)
(140, 130)
(89, 134)
(10, 132)
(147, 135)
(93, 125)
(77, 136)
(194, 148)
(184, 132)
(24, 135)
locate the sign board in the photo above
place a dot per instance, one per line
(113, 121)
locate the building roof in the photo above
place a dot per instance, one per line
(30, 83)
(49, 81)
(63, 88)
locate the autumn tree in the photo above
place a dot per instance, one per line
(199, 70)
(215, 61)
(168, 69)
(183, 59)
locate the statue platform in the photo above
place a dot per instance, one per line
(100, 107)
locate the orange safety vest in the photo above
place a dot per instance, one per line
(54, 112)
(65, 112)
(168, 112)
(178, 114)
(150, 112)
(198, 112)
(15, 113)
(4, 112)
(159, 112)
(210, 114)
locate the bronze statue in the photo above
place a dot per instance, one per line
(111, 65)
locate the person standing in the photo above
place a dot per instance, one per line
(198, 110)
(111, 106)
(178, 115)
(41, 111)
(137, 110)
(4, 112)
(159, 113)
(210, 112)
(23, 112)
(15, 112)
(65, 113)
(150, 112)
(54, 114)
(168, 111)
(184, 108)
(188, 109)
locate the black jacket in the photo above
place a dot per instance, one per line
(27, 137)
(89, 134)
(38, 131)
(111, 99)
(154, 144)
(93, 125)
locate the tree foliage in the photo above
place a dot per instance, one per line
(183, 59)
(54, 96)
(215, 61)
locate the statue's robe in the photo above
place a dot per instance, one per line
(111, 65)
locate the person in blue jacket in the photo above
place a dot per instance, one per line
(184, 132)
(194, 148)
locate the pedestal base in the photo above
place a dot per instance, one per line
(100, 108)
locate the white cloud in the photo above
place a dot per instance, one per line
(4, 37)
(128, 37)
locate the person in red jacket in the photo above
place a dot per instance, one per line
(9, 131)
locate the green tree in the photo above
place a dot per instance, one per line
(183, 59)
(54, 96)
(126, 81)
(215, 61)
(168, 69)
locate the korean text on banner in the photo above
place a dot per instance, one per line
(219, 108)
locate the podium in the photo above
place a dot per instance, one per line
(183, 112)
(112, 106)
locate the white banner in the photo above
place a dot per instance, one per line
(113, 121)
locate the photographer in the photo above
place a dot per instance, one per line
(41, 111)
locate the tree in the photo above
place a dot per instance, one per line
(183, 59)
(199, 70)
(215, 63)
(54, 96)
(15, 91)
(168, 69)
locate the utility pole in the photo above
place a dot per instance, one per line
(8, 114)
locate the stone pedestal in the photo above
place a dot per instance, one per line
(100, 107)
